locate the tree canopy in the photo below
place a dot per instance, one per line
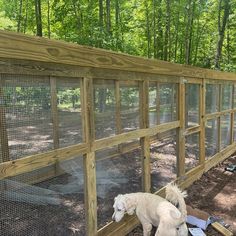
(195, 32)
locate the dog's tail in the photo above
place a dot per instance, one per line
(176, 197)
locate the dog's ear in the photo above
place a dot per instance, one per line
(129, 206)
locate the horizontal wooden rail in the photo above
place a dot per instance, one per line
(44, 50)
(218, 114)
(132, 135)
(192, 130)
(34, 162)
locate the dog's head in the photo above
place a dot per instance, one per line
(122, 205)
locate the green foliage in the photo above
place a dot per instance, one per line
(6, 23)
(182, 31)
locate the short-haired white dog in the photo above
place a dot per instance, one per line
(168, 214)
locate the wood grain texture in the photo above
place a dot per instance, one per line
(181, 130)
(90, 191)
(44, 50)
(132, 135)
(34, 162)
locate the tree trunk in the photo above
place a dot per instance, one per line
(221, 30)
(49, 21)
(189, 31)
(19, 17)
(154, 28)
(38, 16)
(101, 13)
(108, 16)
(26, 17)
(176, 34)
(148, 35)
(160, 32)
(167, 31)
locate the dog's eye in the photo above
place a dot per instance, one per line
(119, 209)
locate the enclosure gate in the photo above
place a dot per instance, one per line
(80, 125)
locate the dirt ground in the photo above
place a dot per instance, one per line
(215, 193)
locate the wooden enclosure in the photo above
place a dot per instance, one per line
(119, 104)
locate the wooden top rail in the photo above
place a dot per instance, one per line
(24, 47)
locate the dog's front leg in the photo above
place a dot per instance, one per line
(147, 228)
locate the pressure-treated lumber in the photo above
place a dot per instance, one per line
(52, 51)
(34, 162)
(220, 228)
(181, 130)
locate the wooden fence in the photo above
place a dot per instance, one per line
(24, 56)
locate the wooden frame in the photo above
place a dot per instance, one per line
(56, 59)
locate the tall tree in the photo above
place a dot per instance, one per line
(224, 5)
(38, 16)
(19, 17)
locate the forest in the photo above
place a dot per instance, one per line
(194, 32)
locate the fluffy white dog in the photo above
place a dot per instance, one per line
(167, 214)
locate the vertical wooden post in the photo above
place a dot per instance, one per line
(232, 117)
(145, 141)
(219, 118)
(89, 158)
(3, 128)
(202, 122)
(180, 132)
(172, 101)
(55, 119)
(118, 107)
(158, 103)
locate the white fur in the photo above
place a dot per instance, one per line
(153, 210)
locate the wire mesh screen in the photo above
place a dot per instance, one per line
(234, 128)
(225, 130)
(27, 114)
(168, 102)
(212, 98)
(162, 103)
(104, 108)
(153, 105)
(192, 103)
(52, 207)
(192, 147)
(69, 111)
(163, 160)
(129, 95)
(212, 140)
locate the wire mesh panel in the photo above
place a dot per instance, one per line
(192, 151)
(69, 111)
(212, 98)
(116, 174)
(52, 207)
(28, 114)
(163, 160)
(154, 104)
(162, 103)
(225, 130)
(211, 142)
(192, 102)
(227, 92)
(130, 112)
(234, 128)
(168, 102)
(104, 108)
